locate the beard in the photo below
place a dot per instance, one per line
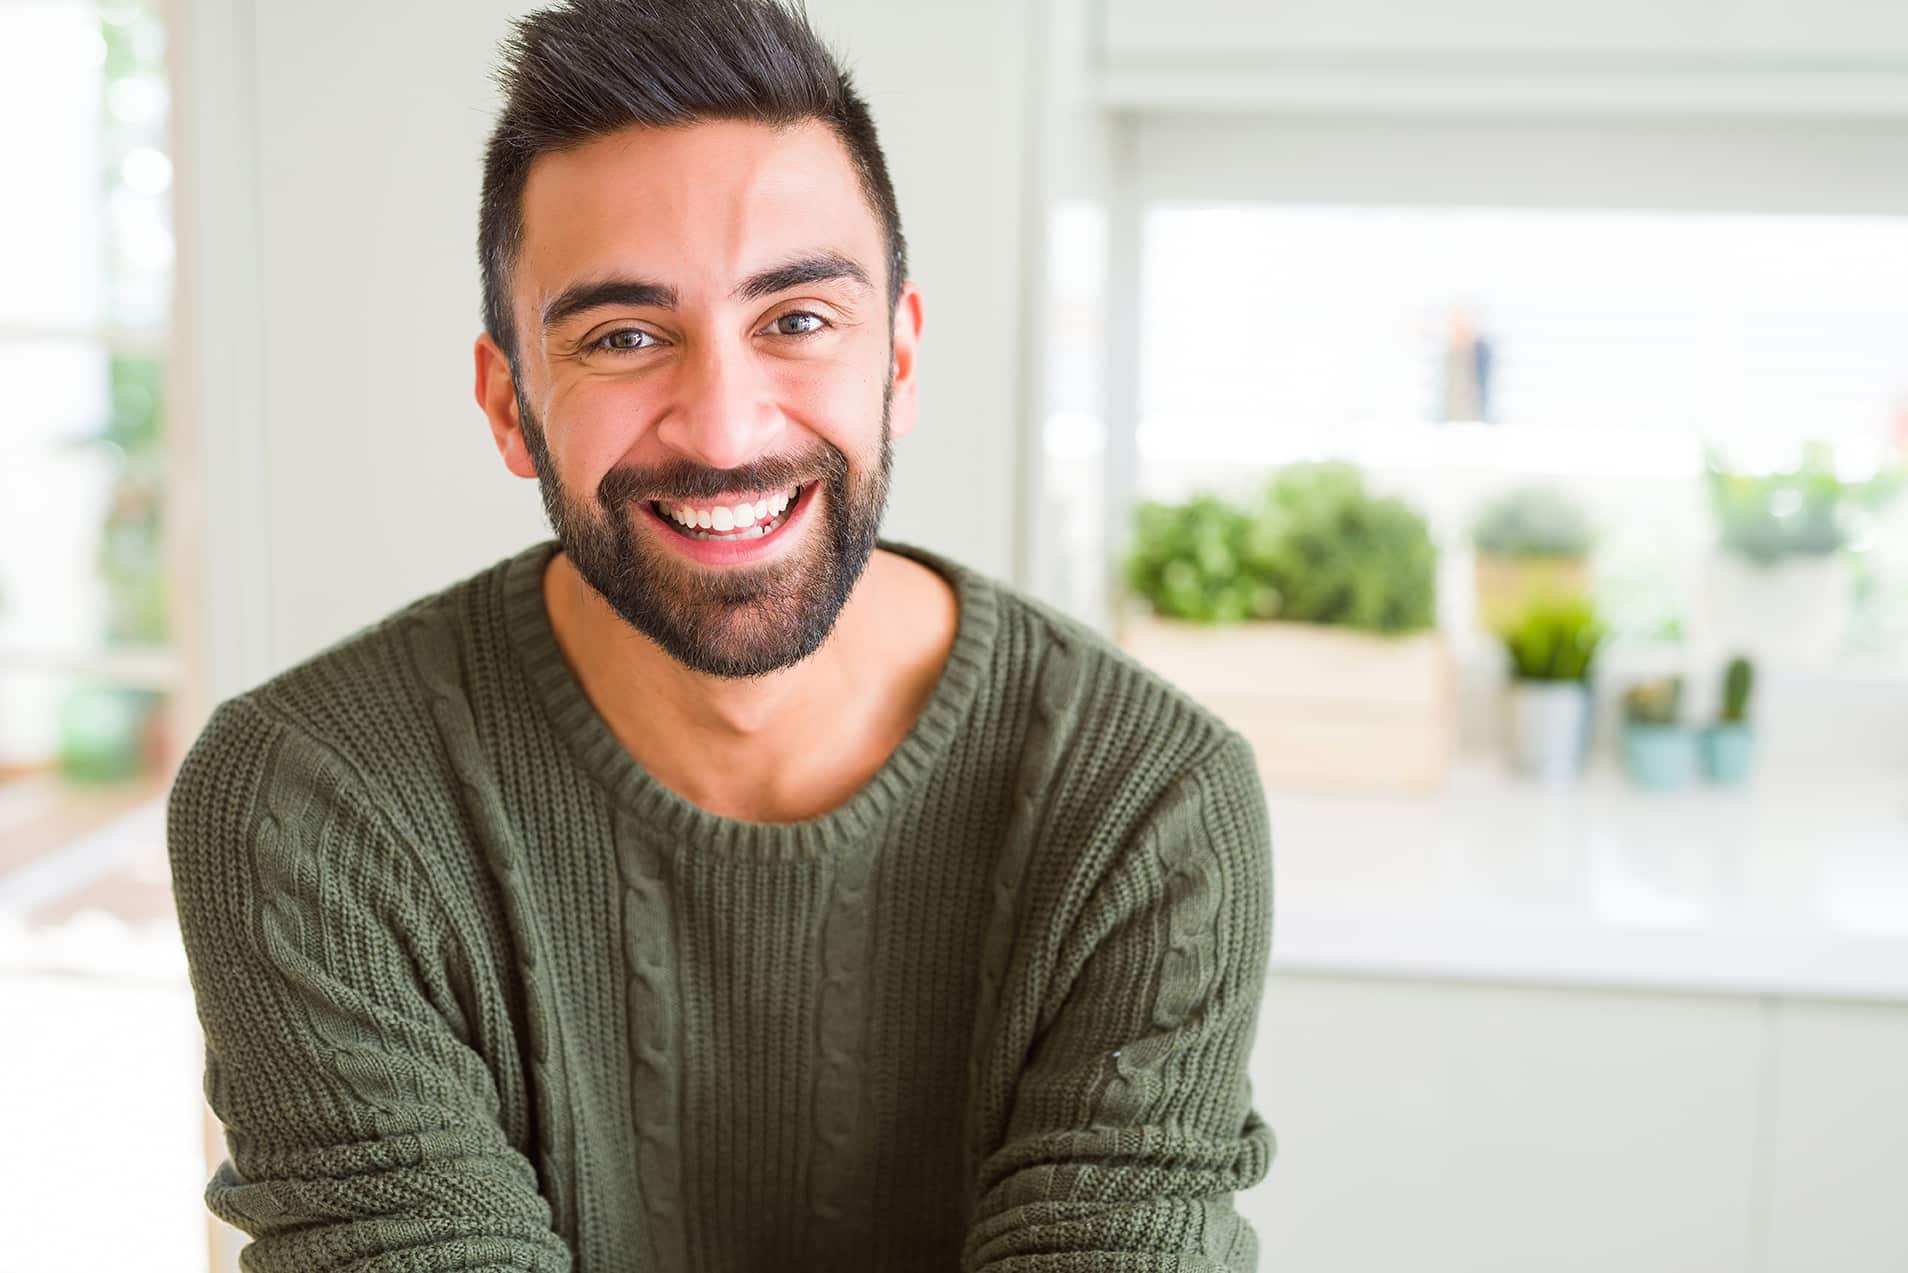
(735, 622)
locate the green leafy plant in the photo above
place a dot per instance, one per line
(1313, 547)
(1533, 520)
(132, 540)
(1738, 680)
(1193, 561)
(1555, 639)
(1337, 554)
(1653, 702)
(1806, 509)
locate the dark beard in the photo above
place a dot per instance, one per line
(735, 622)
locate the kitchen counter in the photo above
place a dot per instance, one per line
(1794, 884)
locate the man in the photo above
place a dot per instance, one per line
(719, 886)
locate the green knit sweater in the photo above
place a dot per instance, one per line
(479, 992)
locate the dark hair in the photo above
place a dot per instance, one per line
(584, 68)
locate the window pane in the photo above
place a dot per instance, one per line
(138, 170)
(1270, 332)
(86, 748)
(54, 495)
(52, 68)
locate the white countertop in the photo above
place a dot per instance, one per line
(1794, 884)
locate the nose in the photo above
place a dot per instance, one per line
(722, 415)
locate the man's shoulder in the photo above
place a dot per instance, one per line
(1100, 723)
(1114, 688)
(365, 697)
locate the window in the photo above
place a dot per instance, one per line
(1453, 351)
(1617, 341)
(92, 978)
(84, 621)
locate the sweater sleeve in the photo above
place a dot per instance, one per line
(1132, 1124)
(363, 1132)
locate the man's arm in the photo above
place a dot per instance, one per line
(363, 1133)
(1132, 1125)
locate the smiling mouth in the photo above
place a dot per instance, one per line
(732, 523)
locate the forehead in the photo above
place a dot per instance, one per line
(697, 206)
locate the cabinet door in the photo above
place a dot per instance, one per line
(1449, 1128)
(1837, 1179)
(1694, 35)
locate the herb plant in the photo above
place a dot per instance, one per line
(1555, 639)
(1314, 546)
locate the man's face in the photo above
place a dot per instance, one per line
(665, 366)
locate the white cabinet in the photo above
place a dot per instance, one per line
(1696, 58)
(1836, 1172)
(1450, 1128)
(1462, 1128)
(1693, 33)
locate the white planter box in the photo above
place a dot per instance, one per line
(1325, 708)
(1795, 611)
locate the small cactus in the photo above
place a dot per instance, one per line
(1738, 679)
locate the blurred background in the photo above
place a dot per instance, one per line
(1496, 410)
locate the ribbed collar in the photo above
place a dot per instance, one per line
(597, 750)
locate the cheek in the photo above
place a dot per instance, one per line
(603, 426)
(840, 406)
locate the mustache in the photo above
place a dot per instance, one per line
(625, 485)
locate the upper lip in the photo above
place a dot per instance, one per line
(729, 501)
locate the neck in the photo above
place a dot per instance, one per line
(772, 748)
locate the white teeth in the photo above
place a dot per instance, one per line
(757, 531)
(751, 518)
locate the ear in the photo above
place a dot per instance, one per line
(497, 395)
(904, 411)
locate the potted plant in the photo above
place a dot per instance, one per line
(1552, 646)
(1530, 540)
(1303, 616)
(1658, 749)
(1195, 561)
(1778, 584)
(108, 730)
(1728, 742)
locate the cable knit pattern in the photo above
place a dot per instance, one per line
(434, 655)
(1187, 916)
(479, 992)
(841, 1122)
(1055, 689)
(654, 1022)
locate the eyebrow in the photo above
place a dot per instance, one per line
(818, 267)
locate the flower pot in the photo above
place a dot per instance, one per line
(1728, 749)
(1504, 585)
(105, 732)
(1659, 756)
(1325, 708)
(1549, 728)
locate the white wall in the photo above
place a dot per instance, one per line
(329, 256)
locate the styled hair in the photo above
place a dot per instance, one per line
(582, 69)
